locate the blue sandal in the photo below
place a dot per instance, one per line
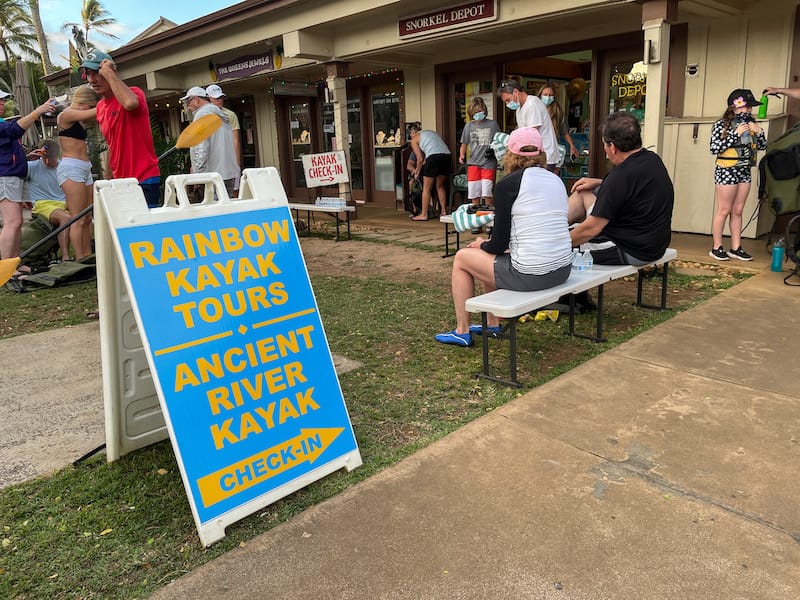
(493, 331)
(457, 339)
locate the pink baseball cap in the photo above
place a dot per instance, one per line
(523, 138)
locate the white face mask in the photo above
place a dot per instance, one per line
(548, 100)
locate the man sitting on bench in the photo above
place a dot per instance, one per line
(628, 219)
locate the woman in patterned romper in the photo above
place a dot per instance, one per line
(732, 173)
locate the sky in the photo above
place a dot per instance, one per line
(133, 17)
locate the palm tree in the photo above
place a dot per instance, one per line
(41, 37)
(16, 32)
(93, 18)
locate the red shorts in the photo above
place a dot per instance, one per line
(480, 182)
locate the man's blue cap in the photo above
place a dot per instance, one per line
(94, 58)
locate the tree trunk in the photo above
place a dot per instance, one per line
(47, 65)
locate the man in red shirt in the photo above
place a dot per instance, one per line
(124, 120)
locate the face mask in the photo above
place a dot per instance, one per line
(479, 116)
(513, 105)
(548, 100)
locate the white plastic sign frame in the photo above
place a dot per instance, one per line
(233, 339)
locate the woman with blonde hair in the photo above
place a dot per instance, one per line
(75, 170)
(530, 247)
(547, 94)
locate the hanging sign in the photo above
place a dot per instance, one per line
(236, 347)
(451, 17)
(244, 66)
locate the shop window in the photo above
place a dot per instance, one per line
(465, 91)
(328, 128)
(300, 128)
(388, 138)
(356, 150)
(628, 88)
(354, 131)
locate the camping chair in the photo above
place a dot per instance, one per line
(458, 185)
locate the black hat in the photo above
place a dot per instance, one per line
(742, 97)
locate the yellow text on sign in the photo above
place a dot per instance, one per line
(235, 478)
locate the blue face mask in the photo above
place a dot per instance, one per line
(479, 116)
(513, 105)
(548, 100)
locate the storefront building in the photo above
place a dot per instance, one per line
(315, 75)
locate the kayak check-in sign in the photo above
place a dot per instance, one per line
(234, 340)
(326, 168)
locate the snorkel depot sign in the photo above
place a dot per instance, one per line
(452, 17)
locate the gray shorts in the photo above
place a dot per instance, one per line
(11, 189)
(74, 169)
(506, 277)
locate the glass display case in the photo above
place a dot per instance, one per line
(388, 138)
(572, 170)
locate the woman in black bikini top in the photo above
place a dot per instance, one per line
(76, 131)
(75, 170)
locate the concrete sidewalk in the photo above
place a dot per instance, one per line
(676, 480)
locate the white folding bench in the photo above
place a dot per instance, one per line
(448, 220)
(645, 272)
(508, 304)
(330, 210)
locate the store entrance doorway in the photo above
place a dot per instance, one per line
(298, 122)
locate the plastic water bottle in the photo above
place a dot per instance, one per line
(588, 260)
(577, 261)
(777, 256)
(762, 110)
(746, 139)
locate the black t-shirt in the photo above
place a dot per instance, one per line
(637, 197)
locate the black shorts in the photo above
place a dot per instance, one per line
(437, 165)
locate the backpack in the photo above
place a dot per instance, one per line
(34, 230)
(779, 173)
(413, 200)
(58, 274)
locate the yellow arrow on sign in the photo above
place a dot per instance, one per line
(255, 469)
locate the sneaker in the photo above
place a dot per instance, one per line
(740, 254)
(478, 330)
(719, 253)
(457, 339)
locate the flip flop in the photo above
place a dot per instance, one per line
(418, 218)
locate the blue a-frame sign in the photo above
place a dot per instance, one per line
(234, 340)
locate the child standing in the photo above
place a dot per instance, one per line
(735, 139)
(481, 167)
